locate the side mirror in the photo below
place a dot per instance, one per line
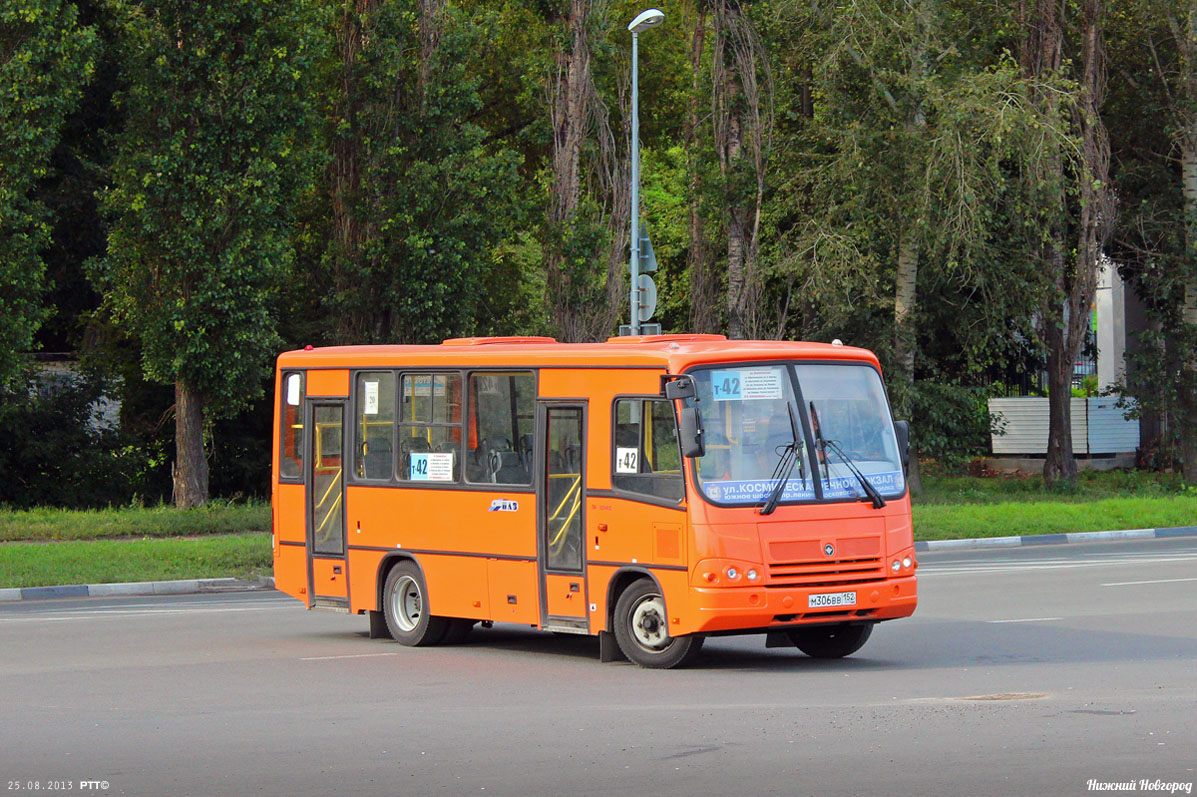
(902, 430)
(692, 441)
(679, 389)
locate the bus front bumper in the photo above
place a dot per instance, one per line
(715, 610)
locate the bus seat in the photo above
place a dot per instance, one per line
(376, 463)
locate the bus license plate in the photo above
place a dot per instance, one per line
(825, 599)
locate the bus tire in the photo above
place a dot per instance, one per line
(642, 629)
(831, 641)
(405, 604)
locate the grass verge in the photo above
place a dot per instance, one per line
(158, 521)
(245, 555)
(968, 521)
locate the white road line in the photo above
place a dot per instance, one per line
(1156, 581)
(347, 656)
(991, 568)
(1027, 620)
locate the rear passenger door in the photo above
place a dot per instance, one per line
(561, 507)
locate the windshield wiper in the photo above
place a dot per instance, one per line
(785, 466)
(824, 444)
(865, 484)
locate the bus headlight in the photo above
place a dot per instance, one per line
(752, 575)
(896, 566)
(732, 574)
(906, 562)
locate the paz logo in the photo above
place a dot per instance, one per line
(829, 549)
(504, 505)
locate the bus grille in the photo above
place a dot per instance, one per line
(831, 573)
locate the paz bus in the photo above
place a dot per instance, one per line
(650, 490)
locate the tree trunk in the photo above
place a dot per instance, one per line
(569, 126)
(1187, 399)
(703, 287)
(904, 337)
(1060, 465)
(351, 325)
(905, 297)
(737, 248)
(741, 112)
(191, 467)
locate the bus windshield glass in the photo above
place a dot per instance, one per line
(843, 423)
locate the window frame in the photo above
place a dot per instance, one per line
(633, 495)
(804, 417)
(460, 482)
(282, 424)
(356, 419)
(468, 405)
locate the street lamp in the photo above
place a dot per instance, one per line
(643, 21)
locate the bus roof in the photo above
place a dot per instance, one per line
(673, 353)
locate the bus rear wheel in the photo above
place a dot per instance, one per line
(642, 629)
(405, 604)
(831, 641)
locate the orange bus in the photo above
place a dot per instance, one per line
(653, 490)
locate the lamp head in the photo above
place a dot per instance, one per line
(647, 19)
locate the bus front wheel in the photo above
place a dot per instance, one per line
(831, 642)
(405, 604)
(642, 629)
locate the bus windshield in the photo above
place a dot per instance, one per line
(843, 420)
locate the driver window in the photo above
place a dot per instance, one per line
(647, 458)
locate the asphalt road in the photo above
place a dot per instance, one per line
(1024, 671)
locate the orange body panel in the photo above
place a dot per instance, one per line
(291, 571)
(565, 595)
(329, 578)
(363, 589)
(513, 591)
(328, 383)
(477, 546)
(289, 504)
(457, 585)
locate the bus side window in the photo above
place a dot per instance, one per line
(647, 456)
(430, 427)
(502, 423)
(374, 445)
(291, 418)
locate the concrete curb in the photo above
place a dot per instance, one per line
(1055, 539)
(183, 587)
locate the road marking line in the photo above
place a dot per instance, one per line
(347, 656)
(1027, 620)
(1157, 581)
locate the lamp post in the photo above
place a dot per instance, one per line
(643, 21)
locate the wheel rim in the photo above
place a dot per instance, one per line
(648, 623)
(407, 604)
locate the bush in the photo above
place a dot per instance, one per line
(55, 452)
(951, 423)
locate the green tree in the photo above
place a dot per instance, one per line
(1153, 127)
(419, 200)
(203, 185)
(45, 58)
